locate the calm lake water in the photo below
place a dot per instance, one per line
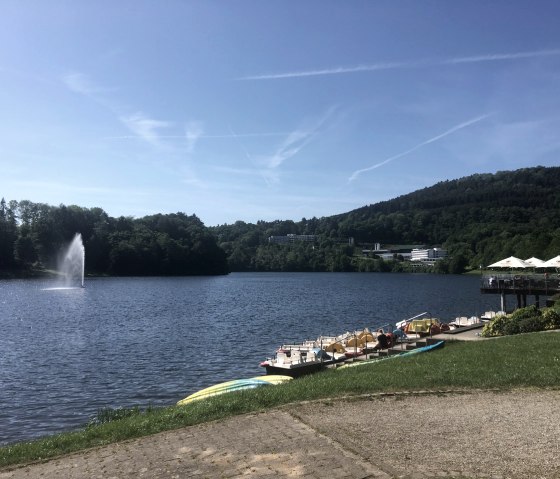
(121, 342)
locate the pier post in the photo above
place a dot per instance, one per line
(503, 301)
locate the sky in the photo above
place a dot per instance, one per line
(269, 110)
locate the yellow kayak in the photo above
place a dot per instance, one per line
(235, 385)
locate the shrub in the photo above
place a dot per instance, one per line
(524, 313)
(522, 320)
(495, 327)
(551, 318)
(511, 326)
(531, 325)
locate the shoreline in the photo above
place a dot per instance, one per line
(338, 438)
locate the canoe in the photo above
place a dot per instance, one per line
(232, 386)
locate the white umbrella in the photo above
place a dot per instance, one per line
(535, 262)
(511, 262)
(552, 263)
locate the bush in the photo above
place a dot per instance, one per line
(531, 325)
(524, 313)
(511, 326)
(522, 320)
(551, 318)
(495, 327)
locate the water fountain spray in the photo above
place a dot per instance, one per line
(73, 263)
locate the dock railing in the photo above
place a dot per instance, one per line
(546, 284)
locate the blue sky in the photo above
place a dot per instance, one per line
(262, 110)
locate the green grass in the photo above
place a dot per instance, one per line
(523, 361)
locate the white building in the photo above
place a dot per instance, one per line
(292, 238)
(430, 255)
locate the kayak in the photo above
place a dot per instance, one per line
(235, 385)
(274, 378)
(423, 349)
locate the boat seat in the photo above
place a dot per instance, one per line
(280, 358)
(295, 357)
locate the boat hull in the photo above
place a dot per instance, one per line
(302, 369)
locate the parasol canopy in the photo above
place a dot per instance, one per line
(535, 262)
(552, 263)
(511, 262)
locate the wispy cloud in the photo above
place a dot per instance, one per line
(267, 166)
(290, 147)
(266, 176)
(493, 57)
(144, 127)
(204, 136)
(193, 131)
(448, 132)
(55, 186)
(296, 141)
(81, 83)
(237, 171)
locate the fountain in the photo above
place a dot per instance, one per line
(73, 263)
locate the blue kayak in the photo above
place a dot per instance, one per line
(412, 352)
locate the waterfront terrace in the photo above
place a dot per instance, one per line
(521, 286)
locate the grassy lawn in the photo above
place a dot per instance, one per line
(522, 361)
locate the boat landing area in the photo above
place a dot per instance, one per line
(520, 286)
(464, 333)
(413, 436)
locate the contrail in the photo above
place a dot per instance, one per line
(247, 155)
(420, 145)
(504, 56)
(408, 65)
(225, 136)
(336, 71)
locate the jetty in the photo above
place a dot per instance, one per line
(520, 286)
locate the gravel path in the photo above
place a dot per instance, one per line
(477, 434)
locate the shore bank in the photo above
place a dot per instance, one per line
(475, 434)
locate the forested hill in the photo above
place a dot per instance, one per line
(479, 219)
(33, 235)
(471, 209)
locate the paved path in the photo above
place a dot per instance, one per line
(477, 434)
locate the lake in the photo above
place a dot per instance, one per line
(122, 342)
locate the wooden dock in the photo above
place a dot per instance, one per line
(520, 286)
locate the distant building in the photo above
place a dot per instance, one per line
(292, 238)
(391, 252)
(429, 256)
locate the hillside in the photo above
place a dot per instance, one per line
(479, 219)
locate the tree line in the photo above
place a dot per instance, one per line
(33, 235)
(479, 219)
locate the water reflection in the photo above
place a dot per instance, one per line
(122, 342)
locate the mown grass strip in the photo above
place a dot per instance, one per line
(529, 360)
